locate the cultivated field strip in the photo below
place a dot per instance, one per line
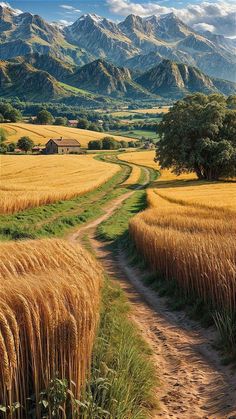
(40, 134)
(49, 305)
(31, 181)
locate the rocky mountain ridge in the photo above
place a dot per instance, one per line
(128, 43)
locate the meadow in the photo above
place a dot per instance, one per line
(31, 181)
(40, 134)
(48, 322)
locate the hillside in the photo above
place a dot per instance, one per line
(23, 80)
(40, 134)
(39, 77)
(104, 78)
(20, 78)
(171, 79)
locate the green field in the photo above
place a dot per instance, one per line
(137, 134)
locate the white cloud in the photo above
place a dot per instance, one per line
(66, 6)
(8, 6)
(64, 22)
(201, 27)
(69, 8)
(220, 17)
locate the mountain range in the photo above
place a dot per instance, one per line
(139, 58)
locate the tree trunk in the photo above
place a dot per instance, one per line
(199, 173)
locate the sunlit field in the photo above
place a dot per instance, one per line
(188, 234)
(48, 319)
(40, 134)
(150, 111)
(134, 176)
(30, 181)
(146, 158)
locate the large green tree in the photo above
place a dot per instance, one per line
(199, 135)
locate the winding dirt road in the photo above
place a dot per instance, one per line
(193, 382)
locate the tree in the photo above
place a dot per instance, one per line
(199, 135)
(25, 144)
(95, 127)
(83, 123)
(109, 143)
(60, 120)
(231, 102)
(13, 115)
(131, 144)
(123, 144)
(95, 145)
(3, 136)
(11, 147)
(44, 117)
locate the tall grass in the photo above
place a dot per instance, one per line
(123, 375)
(49, 305)
(192, 243)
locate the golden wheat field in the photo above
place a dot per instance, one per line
(188, 234)
(134, 176)
(40, 134)
(49, 305)
(146, 158)
(30, 181)
(150, 111)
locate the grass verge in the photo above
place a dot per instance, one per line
(116, 226)
(123, 375)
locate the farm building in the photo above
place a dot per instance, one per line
(72, 123)
(62, 146)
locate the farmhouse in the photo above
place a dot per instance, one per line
(62, 146)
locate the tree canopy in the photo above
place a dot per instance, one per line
(60, 120)
(9, 113)
(199, 135)
(25, 144)
(44, 117)
(3, 138)
(107, 143)
(95, 145)
(83, 123)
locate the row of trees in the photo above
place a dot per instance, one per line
(44, 117)
(109, 143)
(199, 135)
(24, 143)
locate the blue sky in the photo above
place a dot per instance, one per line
(216, 16)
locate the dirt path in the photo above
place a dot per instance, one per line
(194, 384)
